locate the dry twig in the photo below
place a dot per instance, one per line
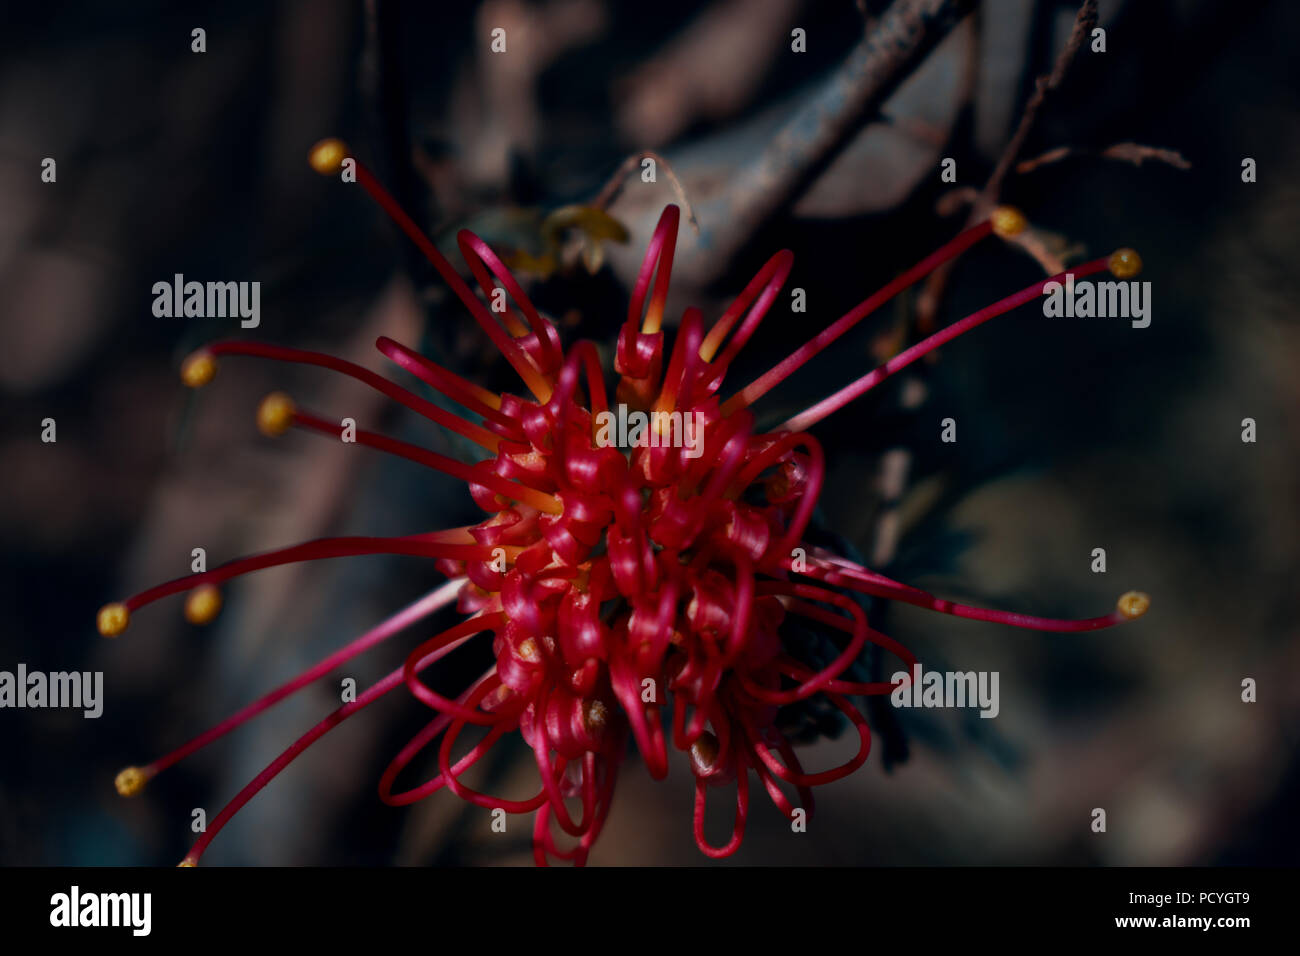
(1134, 153)
(609, 192)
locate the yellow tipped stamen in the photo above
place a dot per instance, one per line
(327, 156)
(1124, 263)
(199, 368)
(130, 781)
(113, 619)
(1008, 221)
(186, 862)
(203, 604)
(275, 414)
(1133, 604)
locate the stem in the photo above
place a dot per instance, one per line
(834, 403)
(272, 770)
(438, 598)
(792, 363)
(478, 435)
(448, 466)
(513, 354)
(432, 545)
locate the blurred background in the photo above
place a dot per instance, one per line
(1072, 434)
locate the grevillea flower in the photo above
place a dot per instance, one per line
(632, 594)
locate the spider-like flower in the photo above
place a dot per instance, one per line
(637, 591)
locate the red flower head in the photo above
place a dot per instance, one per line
(637, 563)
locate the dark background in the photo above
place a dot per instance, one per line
(1072, 434)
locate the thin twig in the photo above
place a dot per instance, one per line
(1084, 21)
(1134, 153)
(610, 191)
(815, 135)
